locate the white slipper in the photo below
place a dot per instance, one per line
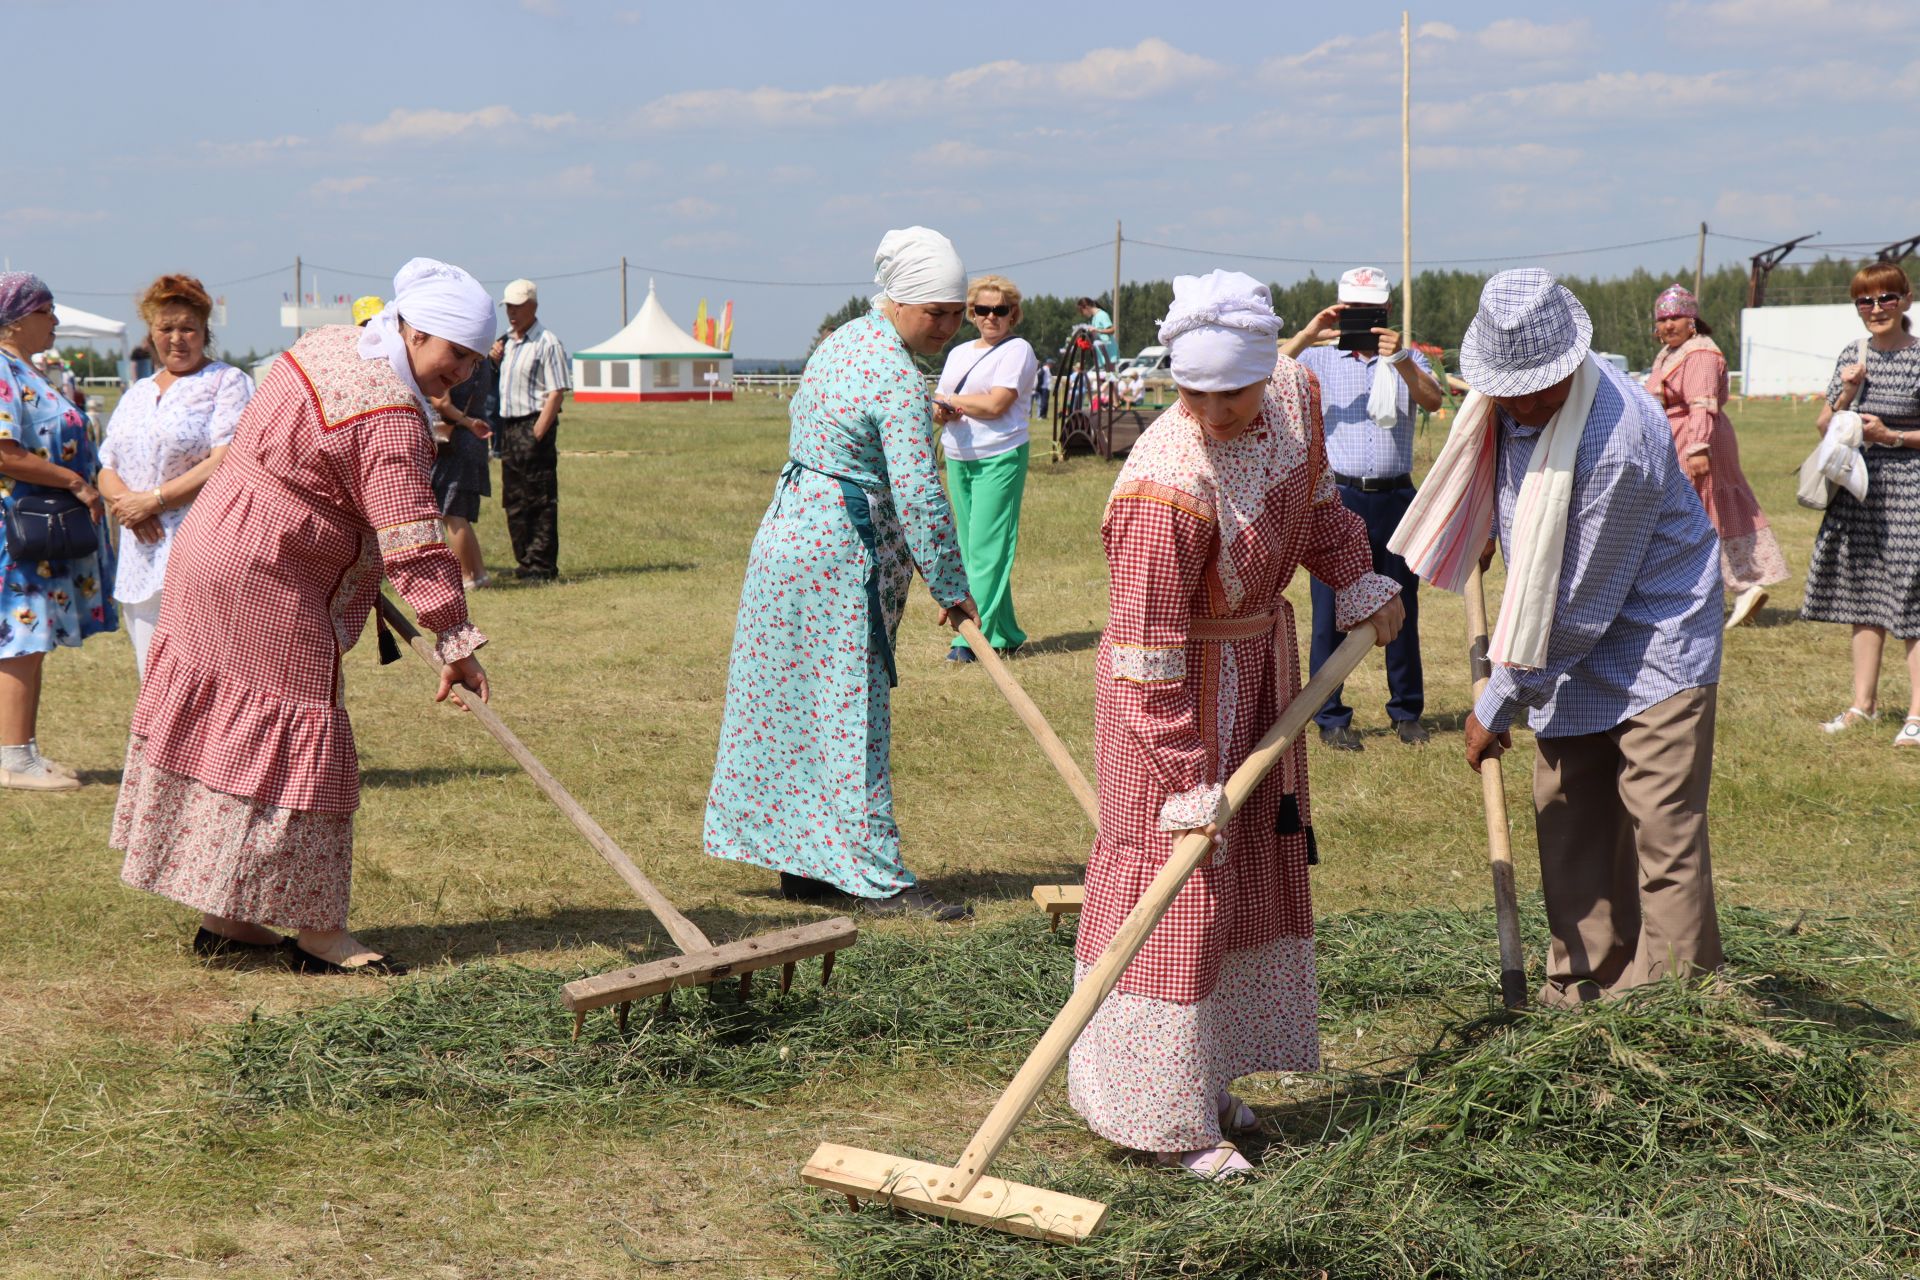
(1849, 718)
(1745, 605)
(1909, 735)
(1217, 1163)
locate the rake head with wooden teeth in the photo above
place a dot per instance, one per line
(701, 962)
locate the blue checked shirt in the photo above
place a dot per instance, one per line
(1356, 447)
(1638, 614)
(531, 368)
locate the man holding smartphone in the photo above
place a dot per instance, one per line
(1371, 453)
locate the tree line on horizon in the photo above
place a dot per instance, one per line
(1444, 303)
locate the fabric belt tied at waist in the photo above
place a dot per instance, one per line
(860, 512)
(1375, 484)
(1293, 819)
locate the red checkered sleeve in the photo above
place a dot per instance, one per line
(1335, 548)
(388, 470)
(1159, 544)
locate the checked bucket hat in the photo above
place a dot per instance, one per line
(1529, 333)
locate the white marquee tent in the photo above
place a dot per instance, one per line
(74, 325)
(1789, 351)
(652, 359)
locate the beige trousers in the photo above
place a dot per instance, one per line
(1624, 865)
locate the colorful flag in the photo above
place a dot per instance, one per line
(726, 328)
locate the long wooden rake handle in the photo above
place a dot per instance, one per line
(686, 935)
(1140, 922)
(1493, 798)
(1056, 751)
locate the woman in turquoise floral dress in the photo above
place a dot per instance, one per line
(803, 784)
(43, 441)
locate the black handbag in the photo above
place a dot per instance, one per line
(48, 524)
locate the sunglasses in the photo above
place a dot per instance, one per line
(1003, 310)
(1868, 302)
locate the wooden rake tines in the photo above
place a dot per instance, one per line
(964, 1192)
(701, 962)
(1054, 899)
(1493, 799)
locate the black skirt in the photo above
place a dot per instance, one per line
(460, 476)
(1866, 557)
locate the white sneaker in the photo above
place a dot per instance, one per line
(40, 780)
(1744, 606)
(1909, 735)
(1216, 1163)
(1849, 718)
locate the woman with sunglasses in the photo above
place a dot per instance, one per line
(1865, 570)
(1689, 379)
(43, 442)
(982, 402)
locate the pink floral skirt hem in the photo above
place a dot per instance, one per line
(1147, 1073)
(1752, 560)
(231, 855)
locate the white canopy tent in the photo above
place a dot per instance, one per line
(74, 325)
(652, 359)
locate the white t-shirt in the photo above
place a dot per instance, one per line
(1011, 364)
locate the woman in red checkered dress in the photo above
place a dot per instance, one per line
(1218, 503)
(241, 779)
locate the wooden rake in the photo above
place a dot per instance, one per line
(701, 962)
(1054, 899)
(1493, 798)
(963, 1192)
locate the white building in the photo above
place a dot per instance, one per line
(652, 359)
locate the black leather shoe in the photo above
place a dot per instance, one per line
(806, 889)
(917, 902)
(1342, 738)
(210, 944)
(301, 960)
(957, 654)
(1412, 732)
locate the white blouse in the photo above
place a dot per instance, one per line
(153, 438)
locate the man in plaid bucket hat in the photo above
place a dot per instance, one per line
(1609, 633)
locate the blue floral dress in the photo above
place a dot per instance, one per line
(802, 783)
(59, 602)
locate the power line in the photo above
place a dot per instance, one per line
(214, 284)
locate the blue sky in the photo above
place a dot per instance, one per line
(777, 142)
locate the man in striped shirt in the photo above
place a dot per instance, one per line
(535, 376)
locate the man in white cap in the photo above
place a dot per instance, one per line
(1368, 397)
(1609, 632)
(535, 376)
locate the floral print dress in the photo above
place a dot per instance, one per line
(802, 783)
(49, 603)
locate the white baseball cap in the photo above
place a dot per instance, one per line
(520, 291)
(1368, 286)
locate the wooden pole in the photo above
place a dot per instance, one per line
(297, 300)
(1700, 260)
(1116, 285)
(1056, 751)
(1139, 924)
(1406, 182)
(1493, 799)
(625, 315)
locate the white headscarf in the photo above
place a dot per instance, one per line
(1221, 331)
(433, 297)
(919, 265)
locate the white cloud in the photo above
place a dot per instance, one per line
(435, 125)
(953, 154)
(26, 217)
(1150, 68)
(251, 152)
(1774, 18)
(1528, 157)
(1610, 98)
(693, 209)
(1359, 65)
(710, 239)
(343, 186)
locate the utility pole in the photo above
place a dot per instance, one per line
(1763, 264)
(1700, 260)
(1116, 284)
(1406, 181)
(298, 299)
(623, 292)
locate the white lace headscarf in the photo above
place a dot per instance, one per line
(1221, 332)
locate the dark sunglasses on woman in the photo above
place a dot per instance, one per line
(1003, 310)
(1866, 302)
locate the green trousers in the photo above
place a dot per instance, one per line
(986, 511)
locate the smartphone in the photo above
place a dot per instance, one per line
(1357, 325)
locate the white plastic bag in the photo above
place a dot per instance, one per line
(1383, 399)
(1835, 463)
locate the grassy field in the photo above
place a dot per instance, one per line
(159, 1117)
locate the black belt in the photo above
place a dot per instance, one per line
(1375, 484)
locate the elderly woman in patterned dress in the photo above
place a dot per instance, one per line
(241, 779)
(1689, 379)
(803, 783)
(1224, 496)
